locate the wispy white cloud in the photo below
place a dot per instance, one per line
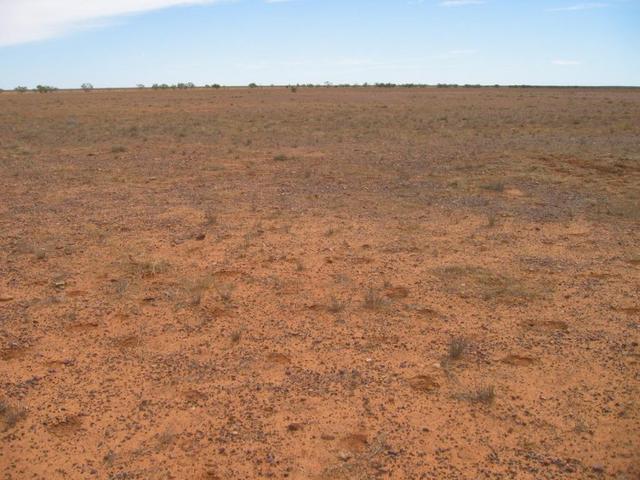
(29, 20)
(579, 6)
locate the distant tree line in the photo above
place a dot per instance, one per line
(45, 88)
(87, 87)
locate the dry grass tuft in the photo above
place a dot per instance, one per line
(457, 347)
(11, 415)
(493, 187)
(225, 291)
(148, 268)
(485, 394)
(472, 281)
(335, 305)
(236, 335)
(373, 300)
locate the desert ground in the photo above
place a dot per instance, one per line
(333, 283)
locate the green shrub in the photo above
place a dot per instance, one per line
(45, 88)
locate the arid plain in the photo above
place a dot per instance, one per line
(333, 283)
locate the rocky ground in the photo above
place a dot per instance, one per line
(321, 284)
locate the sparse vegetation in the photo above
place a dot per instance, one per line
(45, 88)
(213, 301)
(225, 291)
(147, 268)
(457, 347)
(372, 299)
(485, 394)
(11, 414)
(335, 305)
(197, 289)
(469, 281)
(494, 186)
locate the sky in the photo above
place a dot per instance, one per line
(121, 43)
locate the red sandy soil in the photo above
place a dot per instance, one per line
(328, 284)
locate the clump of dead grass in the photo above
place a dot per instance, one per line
(473, 281)
(495, 186)
(457, 347)
(225, 291)
(335, 305)
(235, 336)
(147, 267)
(11, 414)
(197, 288)
(484, 394)
(372, 299)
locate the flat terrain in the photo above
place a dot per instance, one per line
(328, 284)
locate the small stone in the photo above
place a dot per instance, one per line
(294, 427)
(344, 456)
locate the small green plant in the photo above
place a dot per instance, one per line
(21, 89)
(253, 85)
(280, 158)
(87, 87)
(45, 88)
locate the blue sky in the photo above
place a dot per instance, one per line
(113, 43)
